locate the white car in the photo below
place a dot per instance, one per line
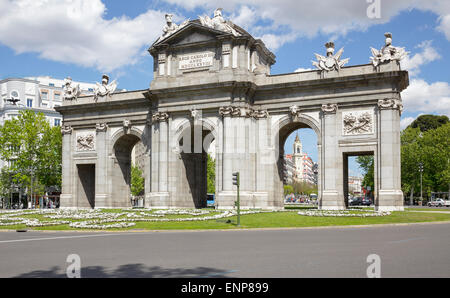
(439, 203)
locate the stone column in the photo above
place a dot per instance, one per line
(101, 171)
(159, 196)
(332, 163)
(241, 155)
(226, 195)
(390, 196)
(67, 199)
(147, 141)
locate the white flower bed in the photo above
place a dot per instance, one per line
(343, 213)
(97, 219)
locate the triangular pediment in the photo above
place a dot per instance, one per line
(190, 34)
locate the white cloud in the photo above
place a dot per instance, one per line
(76, 31)
(428, 54)
(423, 97)
(301, 69)
(405, 122)
(310, 17)
(445, 25)
(274, 41)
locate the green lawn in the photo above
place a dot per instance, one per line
(270, 220)
(428, 209)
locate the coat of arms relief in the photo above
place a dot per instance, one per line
(358, 123)
(85, 141)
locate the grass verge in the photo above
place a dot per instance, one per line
(270, 220)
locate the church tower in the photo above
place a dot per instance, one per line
(297, 158)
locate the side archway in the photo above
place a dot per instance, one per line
(121, 148)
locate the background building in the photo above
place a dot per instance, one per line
(289, 170)
(355, 185)
(303, 163)
(40, 94)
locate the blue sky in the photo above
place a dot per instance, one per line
(84, 38)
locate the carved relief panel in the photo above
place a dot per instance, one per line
(358, 123)
(85, 141)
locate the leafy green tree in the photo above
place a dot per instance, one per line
(288, 189)
(435, 145)
(366, 163)
(429, 122)
(211, 175)
(304, 188)
(137, 181)
(411, 155)
(33, 149)
(50, 166)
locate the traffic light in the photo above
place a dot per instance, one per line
(236, 179)
(238, 202)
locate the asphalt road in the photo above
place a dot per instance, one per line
(405, 251)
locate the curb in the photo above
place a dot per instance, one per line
(240, 230)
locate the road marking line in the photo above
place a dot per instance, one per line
(57, 238)
(406, 240)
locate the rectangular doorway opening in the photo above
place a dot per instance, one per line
(86, 186)
(359, 179)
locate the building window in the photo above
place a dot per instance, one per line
(57, 122)
(44, 95)
(91, 90)
(57, 96)
(29, 103)
(51, 84)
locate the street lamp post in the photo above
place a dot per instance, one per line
(421, 171)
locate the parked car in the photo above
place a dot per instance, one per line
(439, 203)
(357, 201)
(366, 202)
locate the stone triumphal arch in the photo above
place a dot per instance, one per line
(212, 87)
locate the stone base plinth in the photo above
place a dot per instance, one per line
(390, 200)
(225, 200)
(332, 201)
(157, 200)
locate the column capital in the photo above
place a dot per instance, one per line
(160, 117)
(390, 104)
(330, 108)
(101, 127)
(66, 130)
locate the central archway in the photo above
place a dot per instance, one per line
(193, 145)
(284, 128)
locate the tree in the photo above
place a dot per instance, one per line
(429, 122)
(432, 149)
(33, 149)
(288, 189)
(411, 155)
(211, 175)
(366, 163)
(304, 188)
(137, 181)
